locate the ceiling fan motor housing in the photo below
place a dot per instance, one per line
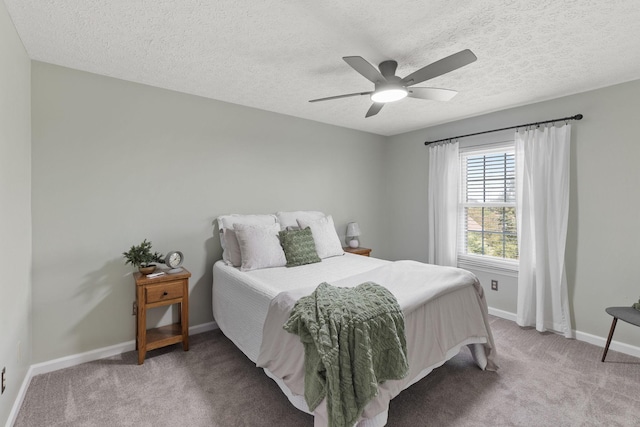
(388, 68)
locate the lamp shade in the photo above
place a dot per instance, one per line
(353, 229)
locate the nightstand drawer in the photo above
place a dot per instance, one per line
(163, 292)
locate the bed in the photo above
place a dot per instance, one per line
(444, 310)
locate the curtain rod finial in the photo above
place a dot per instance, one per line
(578, 117)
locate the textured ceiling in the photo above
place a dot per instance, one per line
(276, 55)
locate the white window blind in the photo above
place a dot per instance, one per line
(487, 208)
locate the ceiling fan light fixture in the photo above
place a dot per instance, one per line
(389, 94)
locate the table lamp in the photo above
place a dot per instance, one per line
(353, 232)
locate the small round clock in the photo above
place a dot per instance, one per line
(173, 260)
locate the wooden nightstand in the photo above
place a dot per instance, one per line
(357, 251)
(157, 292)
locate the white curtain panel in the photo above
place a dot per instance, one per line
(542, 194)
(444, 175)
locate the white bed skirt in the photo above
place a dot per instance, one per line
(380, 420)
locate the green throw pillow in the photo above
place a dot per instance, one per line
(299, 247)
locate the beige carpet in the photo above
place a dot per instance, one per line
(544, 380)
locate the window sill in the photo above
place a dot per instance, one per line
(489, 265)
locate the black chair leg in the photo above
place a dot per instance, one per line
(613, 328)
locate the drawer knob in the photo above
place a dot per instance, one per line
(165, 293)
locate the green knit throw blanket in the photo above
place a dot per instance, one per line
(353, 340)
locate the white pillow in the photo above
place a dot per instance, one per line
(324, 235)
(228, 240)
(260, 246)
(290, 219)
(231, 249)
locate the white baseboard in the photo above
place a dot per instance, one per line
(19, 398)
(581, 336)
(101, 353)
(77, 359)
(502, 314)
(615, 345)
(203, 327)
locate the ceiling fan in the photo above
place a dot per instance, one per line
(389, 87)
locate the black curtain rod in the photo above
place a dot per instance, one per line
(576, 117)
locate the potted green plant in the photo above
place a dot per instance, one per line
(141, 256)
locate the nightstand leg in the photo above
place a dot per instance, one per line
(184, 317)
(141, 326)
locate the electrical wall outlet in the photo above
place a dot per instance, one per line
(494, 285)
(134, 311)
(4, 380)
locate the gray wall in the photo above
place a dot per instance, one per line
(116, 162)
(602, 241)
(15, 211)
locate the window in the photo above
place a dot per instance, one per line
(488, 208)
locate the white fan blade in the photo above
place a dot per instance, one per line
(432, 93)
(341, 96)
(374, 109)
(438, 68)
(361, 65)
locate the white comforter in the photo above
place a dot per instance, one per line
(241, 299)
(444, 310)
